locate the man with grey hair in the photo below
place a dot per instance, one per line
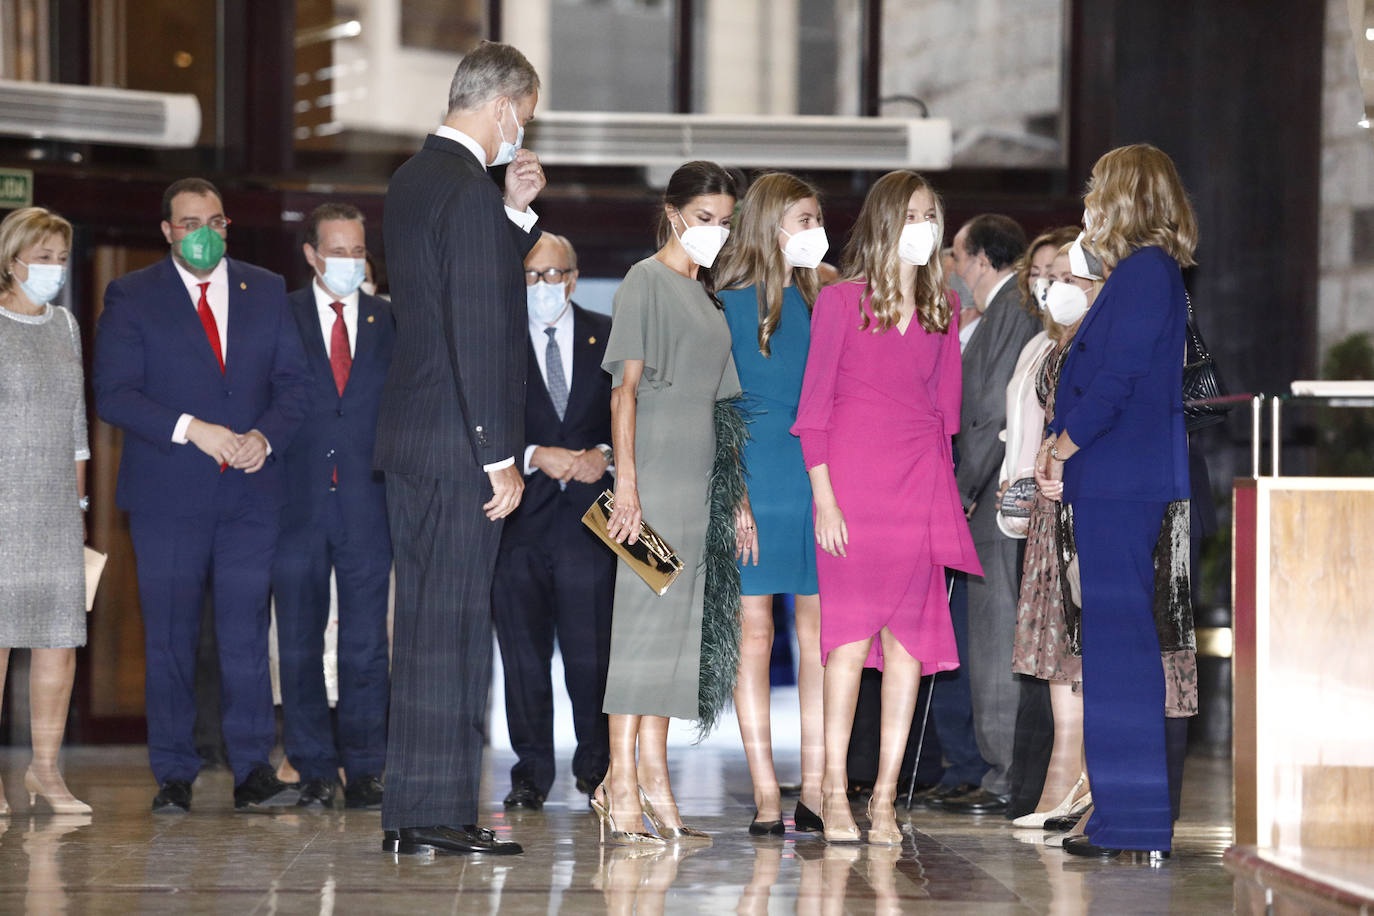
(449, 431)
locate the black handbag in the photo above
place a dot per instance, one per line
(1201, 380)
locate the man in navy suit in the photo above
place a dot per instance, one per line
(552, 575)
(335, 518)
(198, 361)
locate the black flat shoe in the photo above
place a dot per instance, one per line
(364, 793)
(765, 828)
(470, 838)
(806, 819)
(317, 794)
(938, 796)
(173, 797)
(1082, 846)
(262, 790)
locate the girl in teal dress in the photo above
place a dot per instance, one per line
(768, 283)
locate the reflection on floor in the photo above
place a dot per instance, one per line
(123, 860)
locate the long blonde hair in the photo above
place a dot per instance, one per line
(1060, 238)
(1136, 199)
(752, 256)
(871, 255)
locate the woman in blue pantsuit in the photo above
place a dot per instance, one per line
(1117, 453)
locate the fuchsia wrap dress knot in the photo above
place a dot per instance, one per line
(879, 411)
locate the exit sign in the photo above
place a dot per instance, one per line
(16, 189)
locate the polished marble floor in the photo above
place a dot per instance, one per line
(123, 860)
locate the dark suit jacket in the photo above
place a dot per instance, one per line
(454, 399)
(153, 363)
(989, 360)
(340, 431)
(586, 423)
(1120, 393)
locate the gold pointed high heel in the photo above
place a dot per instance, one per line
(668, 833)
(836, 834)
(618, 837)
(60, 802)
(889, 837)
(1065, 807)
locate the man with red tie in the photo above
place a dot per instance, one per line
(198, 361)
(335, 518)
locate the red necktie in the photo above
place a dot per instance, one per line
(340, 360)
(207, 318)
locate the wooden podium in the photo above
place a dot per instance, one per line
(1303, 694)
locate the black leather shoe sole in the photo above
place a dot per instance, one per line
(286, 798)
(1060, 824)
(527, 799)
(1082, 846)
(393, 842)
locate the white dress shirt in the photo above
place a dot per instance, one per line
(524, 220)
(324, 305)
(218, 297)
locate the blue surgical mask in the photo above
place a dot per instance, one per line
(546, 301)
(343, 275)
(44, 282)
(506, 151)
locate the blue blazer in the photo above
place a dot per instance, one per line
(586, 423)
(340, 431)
(1120, 394)
(153, 363)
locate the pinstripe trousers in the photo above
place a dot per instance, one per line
(445, 554)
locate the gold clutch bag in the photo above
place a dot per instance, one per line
(651, 558)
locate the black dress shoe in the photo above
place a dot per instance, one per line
(524, 795)
(765, 828)
(980, 802)
(806, 819)
(364, 793)
(262, 790)
(317, 794)
(409, 841)
(1082, 846)
(938, 796)
(173, 797)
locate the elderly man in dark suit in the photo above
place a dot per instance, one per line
(553, 576)
(335, 519)
(986, 250)
(198, 361)
(450, 430)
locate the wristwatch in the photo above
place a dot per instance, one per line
(84, 502)
(1054, 451)
(607, 452)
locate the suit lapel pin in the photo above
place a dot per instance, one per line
(243, 286)
(371, 318)
(591, 340)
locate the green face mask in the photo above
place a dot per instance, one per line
(203, 248)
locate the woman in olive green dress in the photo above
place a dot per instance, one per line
(669, 359)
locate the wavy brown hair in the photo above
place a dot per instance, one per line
(752, 256)
(1058, 238)
(1136, 199)
(871, 255)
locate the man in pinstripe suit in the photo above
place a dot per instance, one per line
(450, 426)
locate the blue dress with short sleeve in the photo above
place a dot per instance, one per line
(779, 488)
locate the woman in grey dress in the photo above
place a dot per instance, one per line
(42, 486)
(669, 359)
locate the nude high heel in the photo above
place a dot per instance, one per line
(836, 834)
(1038, 818)
(4, 802)
(888, 837)
(602, 807)
(62, 802)
(668, 833)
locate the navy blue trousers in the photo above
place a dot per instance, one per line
(951, 710)
(1123, 678)
(232, 548)
(361, 561)
(559, 586)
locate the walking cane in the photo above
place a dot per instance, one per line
(925, 717)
